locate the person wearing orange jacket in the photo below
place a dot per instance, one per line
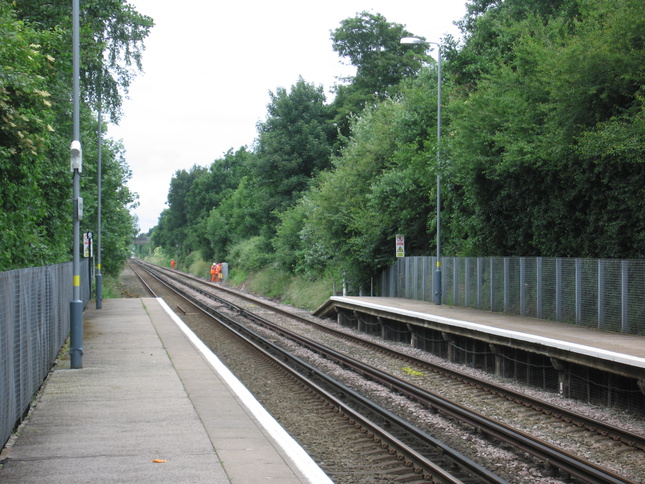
(218, 271)
(213, 271)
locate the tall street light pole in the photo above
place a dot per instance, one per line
(76, 164)
(437, 274)
(99, 276)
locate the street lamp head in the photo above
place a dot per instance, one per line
(412, 41)
(76, 158)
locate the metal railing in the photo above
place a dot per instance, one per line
(34, 323)
(607, 294)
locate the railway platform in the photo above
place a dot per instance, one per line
(151, 405)
(628, 349)
(563, 344)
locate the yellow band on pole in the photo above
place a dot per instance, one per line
(438, 264)
(98, 266)
(77, 281)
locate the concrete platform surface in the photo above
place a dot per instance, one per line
(617, 347)
(150, 405)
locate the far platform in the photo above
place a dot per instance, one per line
(613, 352)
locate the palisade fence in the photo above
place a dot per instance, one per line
(607, 294)
(34, 324)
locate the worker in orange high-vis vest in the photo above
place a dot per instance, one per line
(218, 270)
(213, 272)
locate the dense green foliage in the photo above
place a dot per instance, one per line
(36, 128)
(548, 148)
(542, 152)
(293, 147)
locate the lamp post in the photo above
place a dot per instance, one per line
(99, 135)
(437, 274)
(76, 164)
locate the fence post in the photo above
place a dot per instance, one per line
(467, 283)
(416, 278)
(492, 284)
(578, 265)
(479, 282)
(455, 281)
(601, 294)
(507, 282)
(558, 289)
(539, 311)
(624, 312)
(523, 286)
(423, 278)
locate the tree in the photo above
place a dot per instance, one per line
(112, 37)
(294, 145)
(35, 133)
(381, 184)
(202, 212)
(175, 230)
(117, 223)
(26, 219)
(340, 229)
(211, 196)
(237, 218)
(372, 45)
(489, 33)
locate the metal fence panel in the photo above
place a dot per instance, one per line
(34, 323)
(599, 293)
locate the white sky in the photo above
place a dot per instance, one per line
(209, 67)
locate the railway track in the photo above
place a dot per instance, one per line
(401, 451)
(566, 463)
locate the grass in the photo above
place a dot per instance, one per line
(308, 294)
(110, 287)
(199, 268)
(269, 283)
(297, 291)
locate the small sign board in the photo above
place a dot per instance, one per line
(400, 246)
(88, 244)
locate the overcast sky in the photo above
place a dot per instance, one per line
(209, 67)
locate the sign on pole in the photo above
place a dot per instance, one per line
(400, 246)
(88, 246)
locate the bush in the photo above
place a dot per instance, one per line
(196, 265)
(110, 287)
(159, 257)
(250, 254)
